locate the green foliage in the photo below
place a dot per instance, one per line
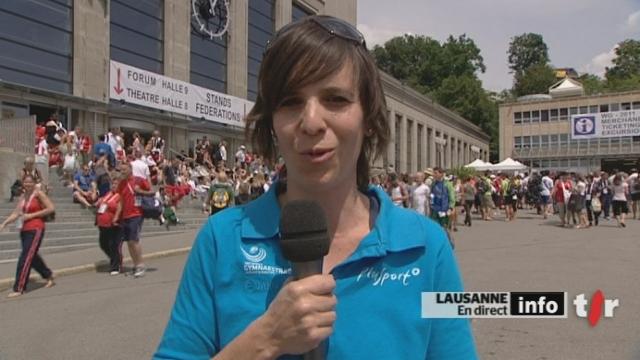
(536, 79)
(592, 84)
(527, 50)
(447, 72)
(424, 63)
(462, 172)
(627, 61)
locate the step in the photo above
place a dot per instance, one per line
(51, 245)
(56, 229)
(88, 237)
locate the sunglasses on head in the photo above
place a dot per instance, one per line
(334, 26)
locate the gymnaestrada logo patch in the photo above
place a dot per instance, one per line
(255, 254)
(254, 262)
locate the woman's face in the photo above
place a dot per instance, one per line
(320, 131)
(28, 184)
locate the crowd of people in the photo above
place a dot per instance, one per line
(124, 183)
(578, 200)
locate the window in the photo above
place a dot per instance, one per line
(636, 105)
(261, 30)
(526, 117)
(574, 163)
(526, 142)
(553, 115)
(553, 140)
(517, 142)
(535, 116)
(594, 109)
(36, 44)
(420, 145)
(409, 145)
(604, 108)
(137, 33)
(564, 139)
(535, 141)
(563, 163)
(625, 106)
(584, 109)
(397, 142)
(517, 118)
(614, 107)
(544, 115)
(544, 141)
(573, 111)
(298, 12)
(564, 114)
(209, 62)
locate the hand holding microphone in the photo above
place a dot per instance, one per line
(302, 315)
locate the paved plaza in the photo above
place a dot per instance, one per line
(94, 316)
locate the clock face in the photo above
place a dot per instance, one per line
(210, 17)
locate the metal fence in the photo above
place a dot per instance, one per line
(18, 134)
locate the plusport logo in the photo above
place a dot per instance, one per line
(597, 304)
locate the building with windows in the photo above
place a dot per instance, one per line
(537, 131)
(66, 56)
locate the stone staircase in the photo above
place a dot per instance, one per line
(74, 227)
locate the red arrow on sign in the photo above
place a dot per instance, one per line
(117, 88)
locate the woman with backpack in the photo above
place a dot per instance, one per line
(30, 215)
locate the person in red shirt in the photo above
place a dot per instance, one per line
(29, 214)
(131, 219)
(560, 195)
(109, 210)
(84, 146)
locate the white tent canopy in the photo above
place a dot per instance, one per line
(480, 165)
(508, 164)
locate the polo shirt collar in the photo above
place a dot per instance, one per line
(393, 230)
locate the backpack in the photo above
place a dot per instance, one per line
(482, 186)
(217, 155)
(220, 198)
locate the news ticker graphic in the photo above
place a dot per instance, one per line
(494, 305)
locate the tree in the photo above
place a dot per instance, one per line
(592, 84)
(627, 61)
(424, 63)
(527, 50)
(536, 79)
(412, 59)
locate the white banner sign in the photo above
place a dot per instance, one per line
(146, 88)
(605, 125)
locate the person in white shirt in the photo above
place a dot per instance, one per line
(545, 193)
(240, 155)
(112, 141)
(421, 195)
(634, 190)
(223, 151)
(140, 167)
(619, 204)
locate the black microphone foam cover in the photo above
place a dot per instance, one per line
(303, 231)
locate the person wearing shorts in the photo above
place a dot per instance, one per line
(129, 188)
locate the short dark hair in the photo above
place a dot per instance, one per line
(307, 53)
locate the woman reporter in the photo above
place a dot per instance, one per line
(321, 106)
(29, 215)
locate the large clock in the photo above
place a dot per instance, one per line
(210, 17)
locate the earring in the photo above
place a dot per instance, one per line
(369, 132)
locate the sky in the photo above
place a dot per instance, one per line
(581, 34)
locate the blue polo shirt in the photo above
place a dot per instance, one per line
(236, 268)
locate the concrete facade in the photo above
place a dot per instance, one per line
(537, 133)
(445, 138)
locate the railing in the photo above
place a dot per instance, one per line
(18, 134)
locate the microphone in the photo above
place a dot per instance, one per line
(305, 242)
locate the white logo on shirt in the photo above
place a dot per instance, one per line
(255, 255)
(253, 263)
(379, 277)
